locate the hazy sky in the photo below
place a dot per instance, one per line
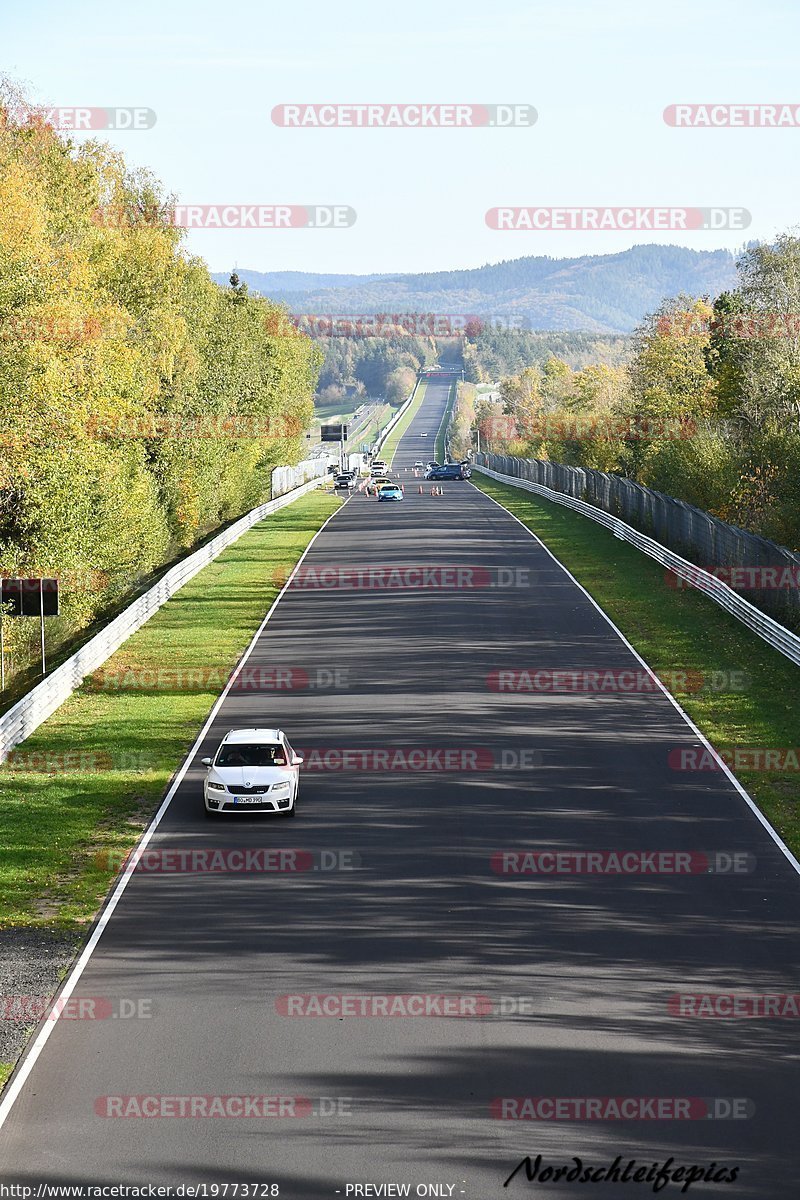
(599, 74)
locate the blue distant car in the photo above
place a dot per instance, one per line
(390, 491)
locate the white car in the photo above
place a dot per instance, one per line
(419, 463)
(254, 770)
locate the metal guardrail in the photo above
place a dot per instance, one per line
(42, 700)
(773, 633)
(388, 428)
(706, 540)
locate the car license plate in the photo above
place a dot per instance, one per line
(248, 799)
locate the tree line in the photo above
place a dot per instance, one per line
(707, 408)
(141, 405)
(383, 366)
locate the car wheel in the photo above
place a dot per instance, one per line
(293, 809)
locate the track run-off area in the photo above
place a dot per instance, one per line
(502, 923)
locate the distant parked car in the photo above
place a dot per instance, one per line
(448, 471)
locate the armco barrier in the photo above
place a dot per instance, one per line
(685, 529)
(388, 428)
(775, 634)
(38, 704)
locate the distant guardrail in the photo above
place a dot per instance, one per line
(397, 416)
(706, 540)
(43, 699)
(776, 635)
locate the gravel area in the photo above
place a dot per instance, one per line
(32, 965)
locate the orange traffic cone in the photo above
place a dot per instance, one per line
(421, 489)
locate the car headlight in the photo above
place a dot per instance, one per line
(281, 787)
(215, 787)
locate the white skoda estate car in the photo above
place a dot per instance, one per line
(253, 771)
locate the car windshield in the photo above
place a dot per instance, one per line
(246, 754)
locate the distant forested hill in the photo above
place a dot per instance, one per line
(607, 293)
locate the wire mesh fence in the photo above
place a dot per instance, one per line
(764, 573)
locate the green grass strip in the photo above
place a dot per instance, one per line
(64, 830)
(678, 631)
(439, 450)
(387, 451)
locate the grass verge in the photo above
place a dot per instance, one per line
(746, 692)
(439, 448)
(83, 786)
(390, 445)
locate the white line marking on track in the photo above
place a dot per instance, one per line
(15, 1085)
(725, 768)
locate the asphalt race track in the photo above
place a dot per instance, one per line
(561, 982)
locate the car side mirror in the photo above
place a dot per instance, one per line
(206, 762)
(297, 760)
